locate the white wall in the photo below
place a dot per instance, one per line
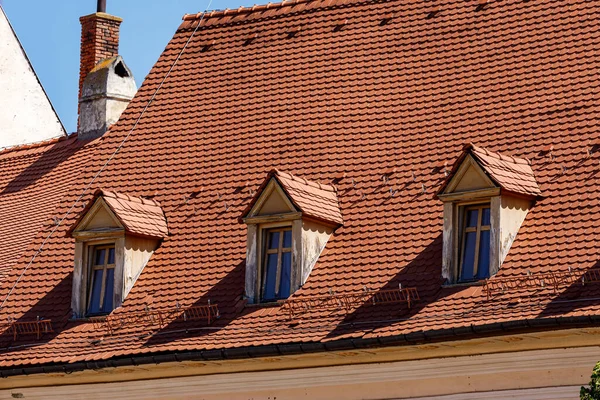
(26, 114)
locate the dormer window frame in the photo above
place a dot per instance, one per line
(135, 228)
(257, 236)
(282, 201)
(454, 230)
(85, 244)
(102, 289)
(479, 177)
(462, 243)
(265, 231)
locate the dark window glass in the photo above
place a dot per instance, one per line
(469, 256)
(94, 306)
(271, 277)
(472, 217)
(111, 255)
(287, 239)
(286, 275)
(277, 267)
(485, 216)
(100, 253)
(476, 244)
(483, 265)
(102, 277)
(273, 240)
(109, 290)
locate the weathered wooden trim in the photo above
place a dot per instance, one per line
(448, 245)
(273, 218)
(99, 235)
(470, 195)
(252, 257)
(119, 279)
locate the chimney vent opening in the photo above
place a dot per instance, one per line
(121, 71)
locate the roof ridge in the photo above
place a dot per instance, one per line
(189, 19)
(242, 10)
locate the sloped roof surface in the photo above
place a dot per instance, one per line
(314, 199)
(33, 179)
(345, 102)
(512, 174)
(139, 216)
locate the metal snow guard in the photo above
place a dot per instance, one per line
(495, 287)
(349, 301)
(155, 319)
(37, 328)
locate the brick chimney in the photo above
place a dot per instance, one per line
(106, 84)
(99, 40)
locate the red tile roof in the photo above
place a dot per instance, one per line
(139, 216)
(32, 181)
(512, 174)
(315, 200)
(377, 108)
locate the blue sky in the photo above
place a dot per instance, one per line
(49, 31)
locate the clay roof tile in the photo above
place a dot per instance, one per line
(314, 199)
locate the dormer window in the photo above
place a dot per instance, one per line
(289, 222)
(115, 237)
(486, 199)
(475, 247)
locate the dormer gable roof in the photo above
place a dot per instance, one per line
(137, 216)
(314, 200)
(511, 174)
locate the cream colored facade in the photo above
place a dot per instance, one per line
(546, 365)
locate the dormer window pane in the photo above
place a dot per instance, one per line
(100, 254)
(485, 216)
(103, 281)
(271, 277)
(287, 238)
(278, 265)
(472, 217)
(111, 255)
(110, 286)
(483, 270)
(286, 274)
(476, 244)
(469, 256)
(94, 307)
(274, 240)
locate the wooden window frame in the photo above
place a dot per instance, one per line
(478, 229)
(105, 267)
(279, 251)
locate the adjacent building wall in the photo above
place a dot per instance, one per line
(26, 114)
